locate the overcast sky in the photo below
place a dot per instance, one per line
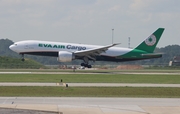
(90, 21)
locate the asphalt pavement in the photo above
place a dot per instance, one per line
(94, 105)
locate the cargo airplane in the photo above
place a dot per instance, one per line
(66, 52)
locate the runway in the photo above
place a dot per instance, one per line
(91, 84)
(102, 72)
(79, 105)
(93, 105)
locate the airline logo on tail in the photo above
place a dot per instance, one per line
(150, 41)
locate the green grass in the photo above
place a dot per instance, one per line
(12, 63)
(90, 92)
(92, 78)
(159, 92)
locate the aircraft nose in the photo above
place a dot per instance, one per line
(12, 47)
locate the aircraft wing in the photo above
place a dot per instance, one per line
(93, 52)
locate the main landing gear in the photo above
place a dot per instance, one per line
(85, 64)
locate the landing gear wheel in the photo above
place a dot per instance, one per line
(86, 65)
(22, 57)
(82, 64)
(89, 66)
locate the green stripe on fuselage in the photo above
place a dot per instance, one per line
(133, 54)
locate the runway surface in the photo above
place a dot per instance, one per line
(79, 105)
(91, 84)
(102, 72)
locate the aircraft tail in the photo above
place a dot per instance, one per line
(150, 43)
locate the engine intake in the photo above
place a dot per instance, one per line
(65, 56)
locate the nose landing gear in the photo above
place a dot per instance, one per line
(23, 57)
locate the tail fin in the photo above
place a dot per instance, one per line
(150, 43)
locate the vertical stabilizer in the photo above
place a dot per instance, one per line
(150, 43)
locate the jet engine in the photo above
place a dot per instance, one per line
(65, 56)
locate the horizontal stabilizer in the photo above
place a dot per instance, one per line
(153, 55)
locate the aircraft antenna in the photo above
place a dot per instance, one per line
(129, 40)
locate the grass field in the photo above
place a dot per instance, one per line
(90, 92)
(104, 76)
(92, 78)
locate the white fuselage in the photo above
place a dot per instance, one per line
(47, 46)
(66, 52)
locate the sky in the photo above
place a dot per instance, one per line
(90, 21)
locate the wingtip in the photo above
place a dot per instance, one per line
(116, 44)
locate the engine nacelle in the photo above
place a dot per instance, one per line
(65, 56)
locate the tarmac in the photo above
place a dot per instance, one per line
(103, 72)
(92, 105)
